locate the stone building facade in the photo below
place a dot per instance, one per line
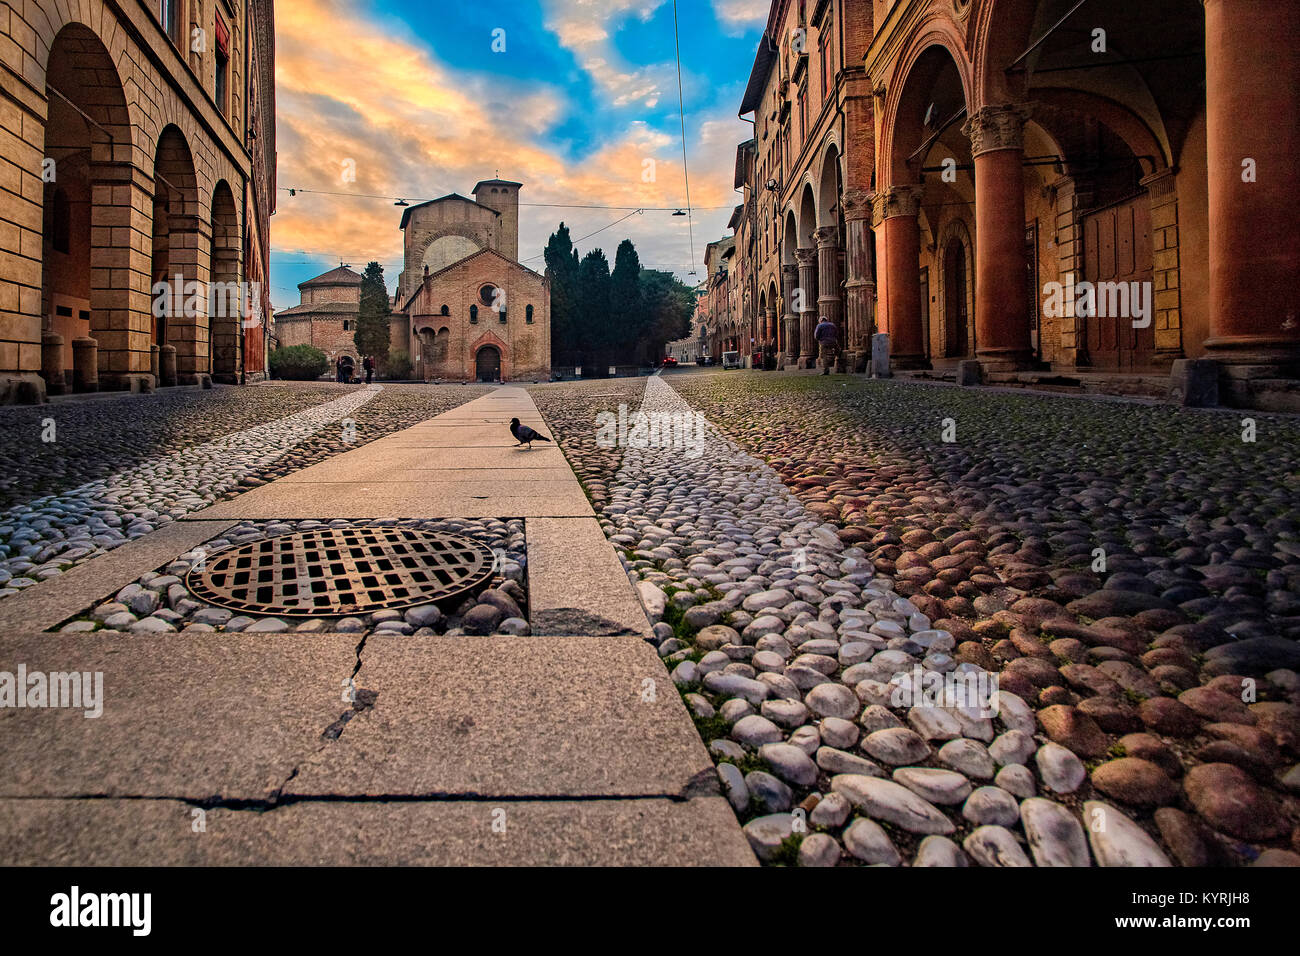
(138, 145)
(326, 317)
(718, 315)
(465, 308)
(805, 236)
(993, 180)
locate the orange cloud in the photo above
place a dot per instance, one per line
(366, 91)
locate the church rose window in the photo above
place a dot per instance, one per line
(487, 294)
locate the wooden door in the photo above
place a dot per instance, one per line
(1117, 248)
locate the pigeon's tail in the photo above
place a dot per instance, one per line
(540, 438)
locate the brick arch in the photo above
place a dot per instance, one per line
(225, 324)
(111, 57)
(956, 230)
(827, 186)
(486, 339)
(914, 71)
(1000, 30)
(182, 239)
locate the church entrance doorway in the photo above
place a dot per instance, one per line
(488, 364)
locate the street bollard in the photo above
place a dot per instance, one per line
(166, 365)
(880, 355)
(85, 365)
(52, 363)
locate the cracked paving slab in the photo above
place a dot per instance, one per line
(221, 716)
(532, 717)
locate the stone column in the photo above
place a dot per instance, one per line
(121, 245)
(789, 281)
(188, 250)
(1252, 96)
(807, 262)
(226, 323)
(859, 287)
(769, 329)
(1001, 272)
(896, 208)
(829, 303)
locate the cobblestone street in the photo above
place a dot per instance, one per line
(1129, 572)
(87, 476)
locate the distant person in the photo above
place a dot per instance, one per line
(338, 369)
(369, 365)
(826, 335)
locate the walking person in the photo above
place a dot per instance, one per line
(369, 365)
(338, 369)
(826, 335)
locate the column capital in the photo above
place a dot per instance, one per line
(895, 201)
(827, 237)
(856, 203)
(806, 256)
(996, 127)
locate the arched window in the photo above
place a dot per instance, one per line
(473, 314)
(445, 311)
(528, 315)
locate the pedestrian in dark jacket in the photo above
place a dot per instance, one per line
(369, 365)
(338, 369)
(826, 335)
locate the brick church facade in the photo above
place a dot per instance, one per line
(465, 309)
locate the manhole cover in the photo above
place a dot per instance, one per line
(336, 571)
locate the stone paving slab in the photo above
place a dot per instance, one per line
(466, 435)
(412, 499)
(217, 714)
(385, 471)
(49, 603)
(503, 715)
(654, 832)
(363, 484)
(576, 583)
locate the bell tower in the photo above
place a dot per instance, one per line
(503, 196)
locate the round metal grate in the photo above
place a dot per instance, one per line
(337, 571)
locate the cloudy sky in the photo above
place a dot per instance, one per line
(582, 97)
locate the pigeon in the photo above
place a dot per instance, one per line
(525, 435)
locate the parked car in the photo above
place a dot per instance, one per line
(670, 362)
(731, 360)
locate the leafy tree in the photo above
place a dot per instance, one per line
(372, 332)
(562, 270)
(593, 305)
(668, 305)
(626, 322)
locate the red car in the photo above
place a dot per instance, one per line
(670, 362)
